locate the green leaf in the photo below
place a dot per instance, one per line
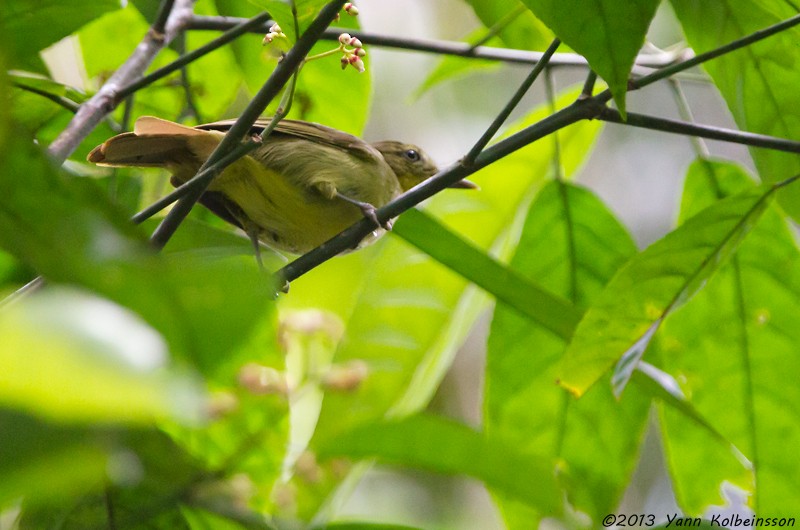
(516, 26)
(737, 335)
(609, 33)
(73, 358)
(757, 81)
(46, 461)
(32, 25)
(69, 232)
(452, 66)
(538, 304)
(444, 446)
(570, 244)
(620, 324)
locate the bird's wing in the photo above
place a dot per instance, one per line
(312, 132)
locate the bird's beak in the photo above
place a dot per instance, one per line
(465, 185)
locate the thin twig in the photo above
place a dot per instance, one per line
(588, 85)
(703, 131)
(685, 110)
(550, 93)
(511, 105)
(241, 128)
(58, 100)
(246, 26)
(160, 23)
(99, 105)
(461, 49)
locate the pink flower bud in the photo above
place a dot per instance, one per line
(361, 52)
(345, 38)
(345, 62)
(350, 9)
(357, 63)
(354, 42)
(267, 38)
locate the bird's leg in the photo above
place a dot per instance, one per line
(366, 208)
(329, 190)
(252, 233)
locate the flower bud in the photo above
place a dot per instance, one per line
(345, 38)
(350, 9)
(361, 52)
(275, 28)
(354, 42)
(261, 380)
(345, 377)
(358, 64)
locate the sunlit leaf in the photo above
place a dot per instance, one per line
(746, 344)
(619, 324)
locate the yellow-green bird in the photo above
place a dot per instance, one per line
(302, 186)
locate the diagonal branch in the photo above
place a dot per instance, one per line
(241, 128)
(103, 102)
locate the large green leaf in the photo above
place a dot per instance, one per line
(571, 244)
(609, 33)
(737, 336)
(47, 461)
(70, 233)
(758, 81)
(70, 357)
(620, 324)
(31, 25)
(538, 304)
(444, 446)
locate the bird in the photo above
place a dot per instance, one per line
(304, 184)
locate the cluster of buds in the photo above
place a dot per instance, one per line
(352, 56)
(275, 32)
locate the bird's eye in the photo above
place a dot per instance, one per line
(412, 155)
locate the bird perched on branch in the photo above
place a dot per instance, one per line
(303, 185)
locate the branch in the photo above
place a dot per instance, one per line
(703, 131)
(241, 128)
(58, 100)
(512, 103)
(228, 36)
(96, 108)
(350, 237)
(460, 49)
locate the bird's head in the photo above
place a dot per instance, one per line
(411, 164)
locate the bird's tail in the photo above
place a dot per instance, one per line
(156, 143)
